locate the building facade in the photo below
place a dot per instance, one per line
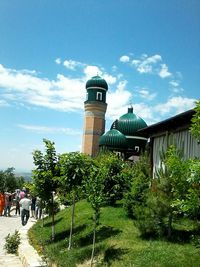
(176, 131)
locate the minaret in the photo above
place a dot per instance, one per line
(95, 109)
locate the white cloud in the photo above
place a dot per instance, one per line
(148, 64)
(63, 93)
(50, 130)
(72, 64)
(109, 78)
(163, 73)
(136, 62)
(118, 101)
(174, 83)
(58, 61)
(91, 71)
(145, 112)
(3, 103)
(144, 93)
(175, 105)
(124, 59)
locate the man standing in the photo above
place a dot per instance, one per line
(25, 213)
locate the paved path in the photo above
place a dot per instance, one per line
(8, 225)
(28, 257)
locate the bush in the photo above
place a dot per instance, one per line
(140, 184)
(149, 218)
(12, 242)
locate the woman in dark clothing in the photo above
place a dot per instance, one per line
(33, 201)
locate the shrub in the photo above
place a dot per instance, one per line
(12, 242)
(140, 184)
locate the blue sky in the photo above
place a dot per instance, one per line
(148, 52)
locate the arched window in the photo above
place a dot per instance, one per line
(99, 96)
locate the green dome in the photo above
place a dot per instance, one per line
(129, 123)
(97, 81)
(114, 139)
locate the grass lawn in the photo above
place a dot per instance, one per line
(118, 242)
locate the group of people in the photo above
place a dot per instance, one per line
(23, 204)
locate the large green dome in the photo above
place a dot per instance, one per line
(97, 81)
(113, 139)
(129, 123)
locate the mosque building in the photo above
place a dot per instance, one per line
(122, 138)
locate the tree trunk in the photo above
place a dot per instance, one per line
(72, 223)
(169, 234)
(42, 218)
(53, 224)
(94, 240)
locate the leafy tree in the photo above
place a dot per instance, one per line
(116, 181)
(162, 201)
(20, 181)
(195, 127)
(2, 181)
(74, 167)
(8, 181)
(192, 203)
(94, 186)
(44, 176)
(140, 179)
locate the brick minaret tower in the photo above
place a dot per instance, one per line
(95, 109)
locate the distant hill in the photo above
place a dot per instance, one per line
(26, 175)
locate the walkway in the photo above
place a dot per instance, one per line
(28, 257)
(8, 225)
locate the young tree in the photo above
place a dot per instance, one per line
(171, 184)
(139, 175)
(94, 187)
(74, 167)
(44, 176)
(190, 205)
(116, 181)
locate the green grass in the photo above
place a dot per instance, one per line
(118, 242)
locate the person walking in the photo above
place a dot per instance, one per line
(2, 203)
(25, 204)
(8, 204)
(33, 202)
(38, 212)
(17, 199)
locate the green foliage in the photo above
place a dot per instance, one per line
(118, 242)
(163, 201)
(12, 242)
(116, 180)
(171, 186)
(94, 186)
(75, 167)
(8, 181)
(46, 171)
(139, 175)
(149, 222)
(195, 127)
(190, 205)
(195, 239)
